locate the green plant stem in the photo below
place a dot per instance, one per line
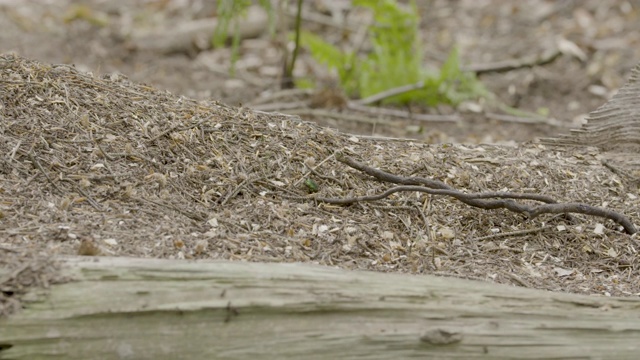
(287, 79)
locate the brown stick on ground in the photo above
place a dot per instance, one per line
(480, 200)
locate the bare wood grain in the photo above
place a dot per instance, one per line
(614, 126)
(166, 309)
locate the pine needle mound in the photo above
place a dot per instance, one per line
(102, 166)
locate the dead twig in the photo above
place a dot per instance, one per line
(286, 94)
(511, 234)
(453, 193)
(312, 170)
(176, 128)
(340, 116)
(378, 111)
(35, 162)
(512, 64)
(516, 279)
(90, 200)
(480, 200)
(389, 93)
(525, 120)
(236, 190)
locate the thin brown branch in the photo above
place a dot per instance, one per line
(511, 234)
(453, 193)
(481, 200)
(526, 120)
(390, 92)
(90, 200)
(35, 162)
(379, 111)
(513, 64)
(176, 128)
(435, 184)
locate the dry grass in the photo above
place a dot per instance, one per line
(96, 165)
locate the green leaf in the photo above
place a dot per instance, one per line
(395, 59)
(451, 67)
(332, 57)
(312, 186)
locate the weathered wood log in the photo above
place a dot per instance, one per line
(122, 308)
(614, 127)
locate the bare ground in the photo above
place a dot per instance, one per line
(103, 165)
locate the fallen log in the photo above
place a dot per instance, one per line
(120, 308)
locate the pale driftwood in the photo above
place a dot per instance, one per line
(121, 308)
(613, 127)
(192, 36)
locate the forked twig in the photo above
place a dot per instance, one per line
(480, 200)
(35, 161)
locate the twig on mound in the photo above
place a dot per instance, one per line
(481, 200)
(453, 193)
(36, 163)
(513, 64)
(512, 233)
(176, 128)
